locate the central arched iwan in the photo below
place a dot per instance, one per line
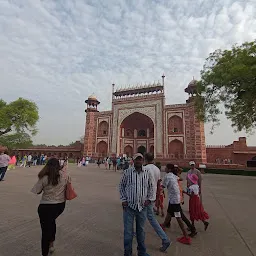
(136, 127)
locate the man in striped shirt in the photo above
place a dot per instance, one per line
(137, 193)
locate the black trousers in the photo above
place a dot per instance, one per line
(2, 172)
(187, 222)
(184, 219)
(48, 213)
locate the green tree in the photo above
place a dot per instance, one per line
(17, 123)
(19, 116)
(228, 79)
(16, 140)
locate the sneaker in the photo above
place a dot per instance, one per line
(206, 224)
(165, 246)
(184, 240)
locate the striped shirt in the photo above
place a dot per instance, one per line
(136, 187)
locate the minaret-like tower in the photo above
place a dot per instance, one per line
(91, 125)
(163, 77)
(195, 138)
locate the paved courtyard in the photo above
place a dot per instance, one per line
(91, 225)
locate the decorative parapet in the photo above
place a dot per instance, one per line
(139, 97)
(216, 146)
(138, 91)
(175, 106)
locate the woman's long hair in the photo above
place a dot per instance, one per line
(52, 170)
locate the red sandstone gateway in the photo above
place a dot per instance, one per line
(139, 121)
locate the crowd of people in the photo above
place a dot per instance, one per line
(142, 192)
(141, 188)
(115, 163)
(9, 162)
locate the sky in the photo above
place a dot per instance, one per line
(58, 52)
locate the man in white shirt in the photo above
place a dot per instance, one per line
(155, 173)
(4, 160)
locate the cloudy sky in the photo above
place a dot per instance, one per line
(58, 52)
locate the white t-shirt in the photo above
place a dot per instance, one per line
(29, 158)
(194, 188)
(170, 182)
(155, 173)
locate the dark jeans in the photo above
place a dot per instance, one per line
(187, 222)
(2, 172)
(140, 217)
(48, 213)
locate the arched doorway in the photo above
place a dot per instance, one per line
(133, 129)
(102, 129)
(176, 149)
(175, 125)
(102, 149)
(142, 150)
(128, 150)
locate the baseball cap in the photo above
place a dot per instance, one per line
(137, 155)
(192, 163)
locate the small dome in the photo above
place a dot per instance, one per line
(191, 88)
(193, 82)
(92, 97)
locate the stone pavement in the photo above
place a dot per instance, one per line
(91, 225)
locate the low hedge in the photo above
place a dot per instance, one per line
(231, 172)
(227, 171)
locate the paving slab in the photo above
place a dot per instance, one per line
(91, 225)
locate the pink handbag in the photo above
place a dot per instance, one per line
(70, 192)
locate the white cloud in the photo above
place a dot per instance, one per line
(57, 53)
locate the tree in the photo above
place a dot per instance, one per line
(16, 140)
(229, 78)
(19, 116)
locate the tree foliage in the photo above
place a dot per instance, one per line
(17, 140)
(229, 78)
(19, 116)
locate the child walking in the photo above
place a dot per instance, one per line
(160, 195)
(196, 210)
(177, 171)
(170, 182)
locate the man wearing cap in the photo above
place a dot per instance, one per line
(137, 193)
(195, 171)
(155, 172)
